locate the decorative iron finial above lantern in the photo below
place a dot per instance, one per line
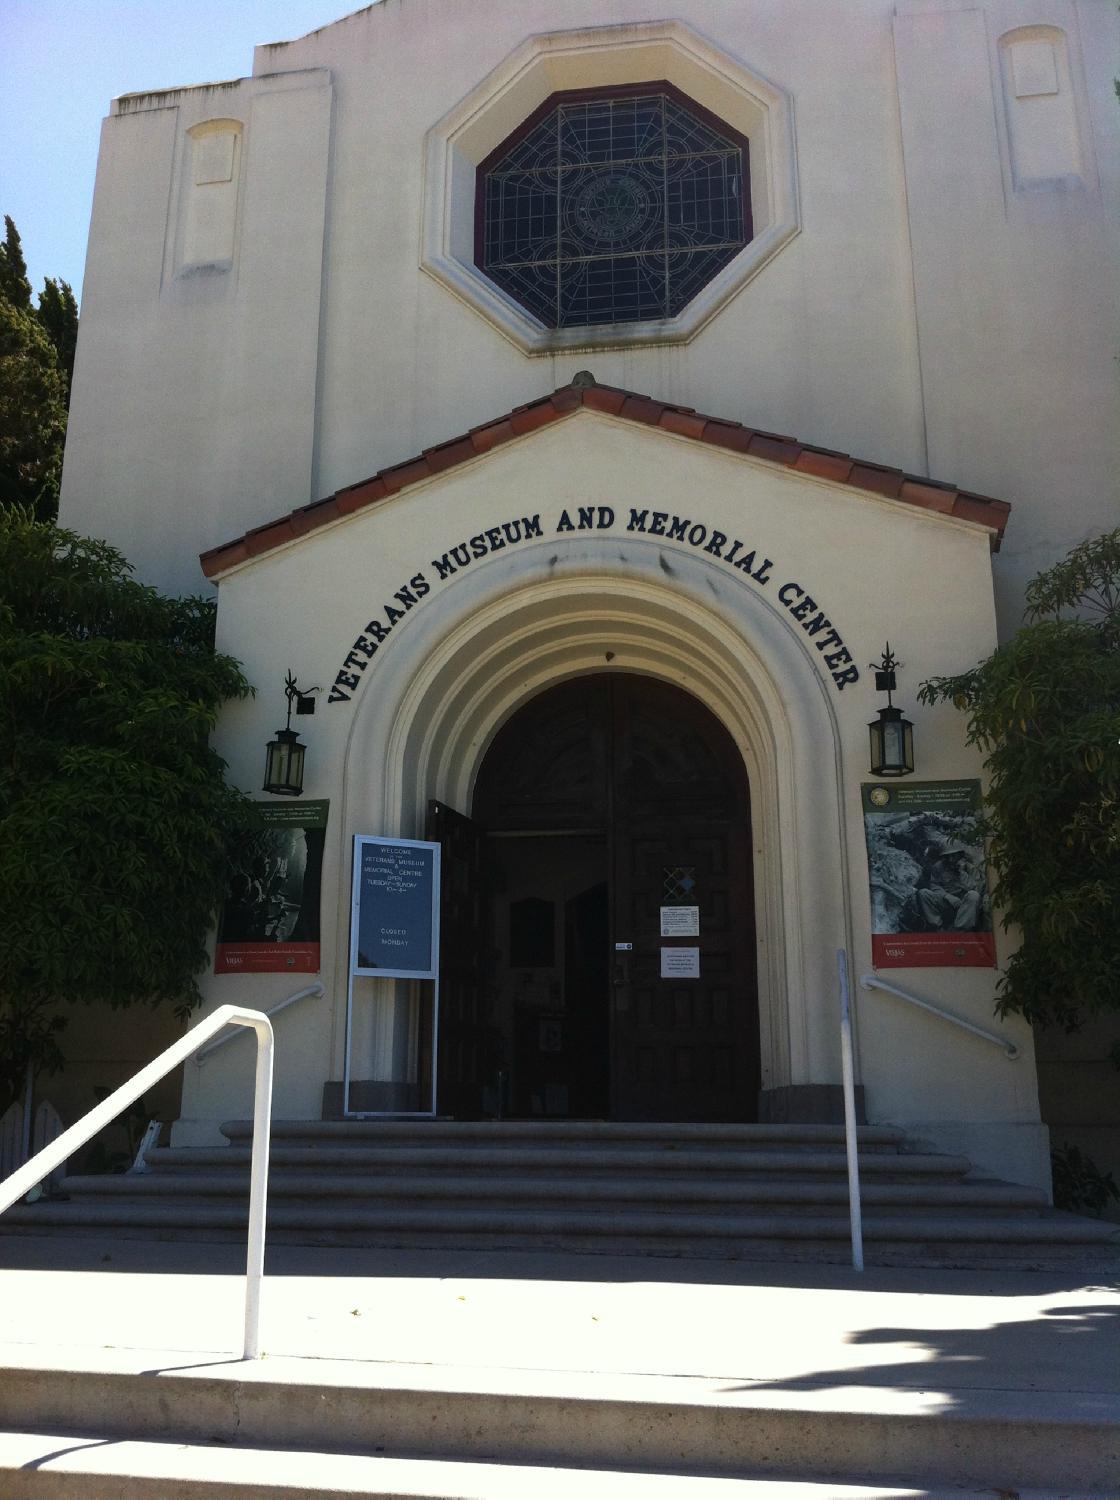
(892, 735)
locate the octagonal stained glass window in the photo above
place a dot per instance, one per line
(612, 206)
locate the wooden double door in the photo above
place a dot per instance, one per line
(610, 831)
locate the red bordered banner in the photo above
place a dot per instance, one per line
(270, 918)
(934, 950)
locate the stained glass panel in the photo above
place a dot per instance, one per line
(678, 887)
(613, 209)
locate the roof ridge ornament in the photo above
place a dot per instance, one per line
(584, 378)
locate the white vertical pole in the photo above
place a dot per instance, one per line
(258, 1190)
(850, 1136)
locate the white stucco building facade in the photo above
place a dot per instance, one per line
(293, 286)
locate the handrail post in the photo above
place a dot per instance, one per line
(258, 1189)
(851, 1137)
(44, 1162)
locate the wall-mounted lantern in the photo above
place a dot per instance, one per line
(283, 764)
(892, 736)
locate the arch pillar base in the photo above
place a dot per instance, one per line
(808, 1104)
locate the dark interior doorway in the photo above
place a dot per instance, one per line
(610, 830)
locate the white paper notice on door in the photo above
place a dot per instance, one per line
(680, 921)
(680, 963)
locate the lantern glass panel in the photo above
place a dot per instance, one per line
(283, 767)
(892, 744)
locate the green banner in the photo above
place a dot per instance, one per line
(929, 891)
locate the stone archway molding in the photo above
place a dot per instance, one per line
(527, 623)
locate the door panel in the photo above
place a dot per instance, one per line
(587, 940)
(465, 1045)
(547, 766)
(683, 1048)
(648, 765)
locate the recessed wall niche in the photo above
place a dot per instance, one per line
(1044, 143)
(208, 202)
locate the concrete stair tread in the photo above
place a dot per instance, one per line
(540, 1418)
(548, 1130)
(1051, 1228)
(734, 1191)
(982, 1192)
(458, 1158)
(106, 1468)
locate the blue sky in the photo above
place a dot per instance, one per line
(62, 61)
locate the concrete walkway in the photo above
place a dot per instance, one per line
(638, 1363)
(945, 1333)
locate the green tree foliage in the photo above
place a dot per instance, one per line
(14, 285)
(1080, 1187)
(115, 821)
(1045, 707)
(33, 399)
(58, 316)
(36, 361)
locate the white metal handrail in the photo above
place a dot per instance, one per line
(41, 1165)
(873, 982)
(273, 1010)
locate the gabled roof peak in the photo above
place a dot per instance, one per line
(585, 392)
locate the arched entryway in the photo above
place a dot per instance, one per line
(599, 953)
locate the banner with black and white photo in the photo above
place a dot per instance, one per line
(930, 906)
(270, 919)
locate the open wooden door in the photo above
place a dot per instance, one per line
(683, 1048)
(465, 1044)
(625, 798)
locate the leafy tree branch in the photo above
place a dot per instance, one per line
(116, 823)
(1045, 709)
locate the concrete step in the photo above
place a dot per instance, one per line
(582, 1161)
(624, 1229)
(753, 1192)
(669, 1136)
(68, 1466)
(658, 1193)
(633, 1426)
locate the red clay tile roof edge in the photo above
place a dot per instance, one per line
(719, 432)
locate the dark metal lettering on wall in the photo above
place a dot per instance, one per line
(750, 563)
(589, 795)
